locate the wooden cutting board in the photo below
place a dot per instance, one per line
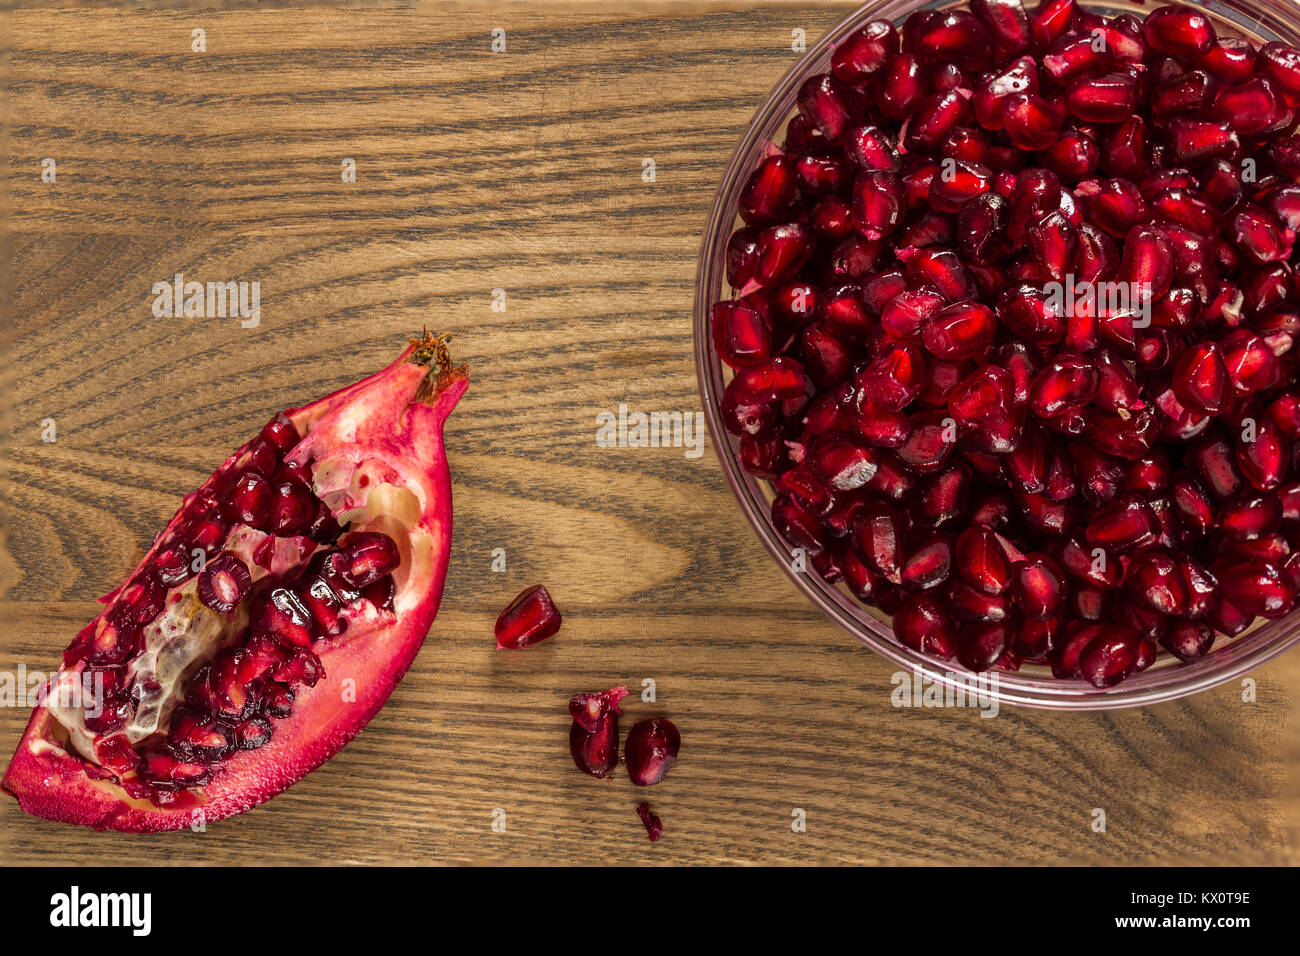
(519, 171)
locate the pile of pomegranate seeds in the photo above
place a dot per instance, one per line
(229, 704)
(649, 751)
(1014, 331)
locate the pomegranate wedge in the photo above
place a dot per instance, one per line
(269, 621)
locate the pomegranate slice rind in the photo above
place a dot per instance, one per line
(377, 461)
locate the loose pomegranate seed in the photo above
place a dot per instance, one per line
(529, 618)
(650, 750)
(595, 752)
(1126, 524)
(591, 710)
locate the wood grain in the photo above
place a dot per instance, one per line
(519, 171)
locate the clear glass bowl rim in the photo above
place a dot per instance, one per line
(1266, 19)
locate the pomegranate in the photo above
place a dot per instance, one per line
(314, 555)
(968, 427)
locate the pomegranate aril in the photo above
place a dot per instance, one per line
(281, 433)
(1213, 461)
(878, 203)
(248, 501)
(935, 117)
(922, 624)
(1200, 378)
(1109, 656)
(113, 642)
(967, 603)
(1031, 121)
(960, 330)
(113, 713)
(1262, 453)
(928, 562)
(741, 335)
(1188, 640)
(326, 607)
(1256, 587)
(770, 191)
(865, 52)
(1111, 98)
(303, 667)
(1039, 587)
(980, 644)
(1067, 382)
(1179, 30)
(595, 752)
(955, 187)
(1249, 107)
(1251, 516)
(278, 613)
(529, 618)
(1006, 22)
(928, 445)
(224, 582)
(253, 733)
(1281, 64)
(1126, 524)
(742, 257)
(650, 750)
(172, 565)
(209, 533)
(1157, 582)
(262, 457)
(592, 709)
(782, 252)
(827, 104)
(942, 497)
(983, 398)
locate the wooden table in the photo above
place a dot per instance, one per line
(519, 171)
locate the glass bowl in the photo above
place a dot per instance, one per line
(1261, 21)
